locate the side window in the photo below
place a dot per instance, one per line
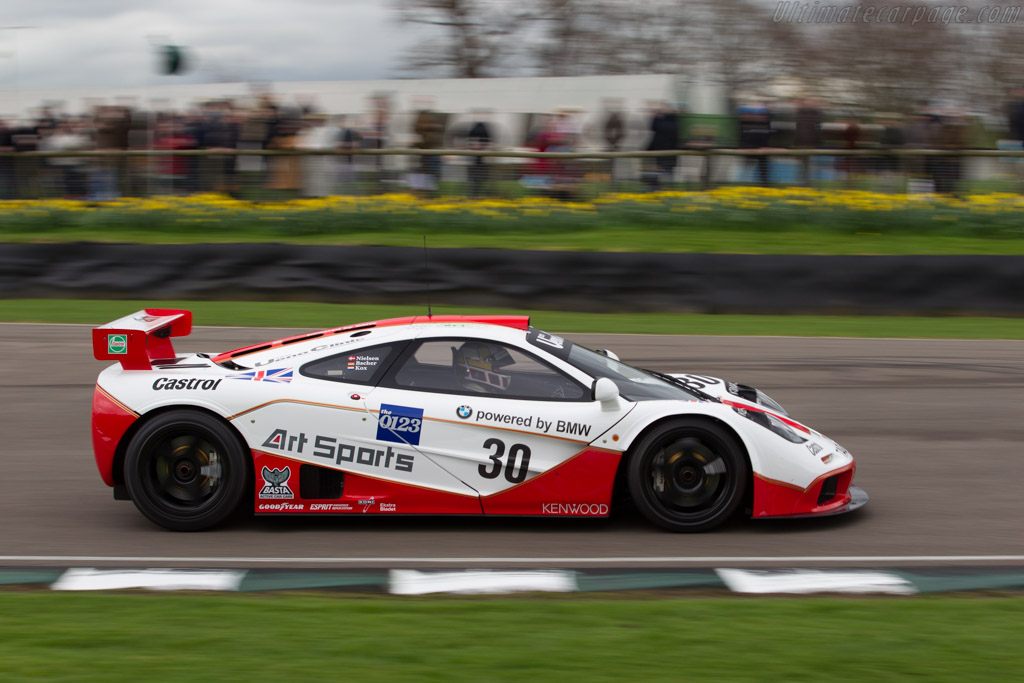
(476, 366)
(358, 366)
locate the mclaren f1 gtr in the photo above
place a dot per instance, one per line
(444, 414)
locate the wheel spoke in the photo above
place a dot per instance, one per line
(186, 470)
(716, 466)
(687, 476)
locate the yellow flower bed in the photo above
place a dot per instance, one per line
(744, 198)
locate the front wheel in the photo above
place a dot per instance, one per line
(186, 470)
(688, 475)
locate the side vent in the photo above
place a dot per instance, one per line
(320, 483)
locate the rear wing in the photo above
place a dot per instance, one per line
(138, 339)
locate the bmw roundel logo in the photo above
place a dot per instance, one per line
(464, 412)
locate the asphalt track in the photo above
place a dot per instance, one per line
(936, 427)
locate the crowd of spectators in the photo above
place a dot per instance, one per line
(224, 127)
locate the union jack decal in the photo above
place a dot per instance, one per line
(276, 376)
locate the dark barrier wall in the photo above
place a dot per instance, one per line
(586, 281)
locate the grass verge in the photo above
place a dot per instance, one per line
(623, 238)
(315, 315)
(111, 637)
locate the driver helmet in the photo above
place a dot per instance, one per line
(477, 366)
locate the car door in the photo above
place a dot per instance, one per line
(353, 440)
(500, 418)
(321, 419)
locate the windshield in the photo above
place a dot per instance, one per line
(634, 384)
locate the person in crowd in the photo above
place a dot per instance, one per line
(892, 138)
(285, 170)
(174, 170)
(479, 137)
(375, 135)
(429, 131)
(348, 139)
(952, 135)
(8, 189)
(755, 131)
(319, 173)
(1015, 115)
(215, 129)
(664, 127)
(613, 132)
(917, 134)
(807, 134)
(851, 165)
(69, 179)
(613, 127)
(257, 128)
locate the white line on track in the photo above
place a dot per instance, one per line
(721, 560)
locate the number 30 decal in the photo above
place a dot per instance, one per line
(515, 469)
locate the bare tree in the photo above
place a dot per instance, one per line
(590, 37)
(468, 38)
(736, 43)
(993, 57)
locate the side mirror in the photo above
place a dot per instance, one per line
(609, 353)
(605, 390)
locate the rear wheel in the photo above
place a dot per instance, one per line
(186, 470)
(688, 475)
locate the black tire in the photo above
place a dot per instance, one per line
(688, 475)
(186, 470)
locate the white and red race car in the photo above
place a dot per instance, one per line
(470, 415)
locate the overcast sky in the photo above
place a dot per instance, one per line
(69, 43)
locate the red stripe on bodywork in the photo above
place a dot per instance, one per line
(362, 495)
(791, 423)
(110, 420)
(519, 322)
(581, 486)
(773, 498)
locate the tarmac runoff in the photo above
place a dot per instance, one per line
(888, 401)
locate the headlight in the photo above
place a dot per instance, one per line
(770, 403)
(753, 395)
(773, 423)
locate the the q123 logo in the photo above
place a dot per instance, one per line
(464, 412)
(399, 424)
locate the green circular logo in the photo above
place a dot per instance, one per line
(117, 343)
